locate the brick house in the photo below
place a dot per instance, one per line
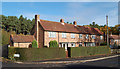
(114, 39)
(67, 35)
(23, 41)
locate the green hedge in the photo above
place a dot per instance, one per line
(36, 54)
(86, 51)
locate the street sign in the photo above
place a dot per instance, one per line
(16, 55)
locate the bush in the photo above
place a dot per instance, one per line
(53, 43)
(36, 54)
(86, 51)
(34, 44)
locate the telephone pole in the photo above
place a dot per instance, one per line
(107, 30)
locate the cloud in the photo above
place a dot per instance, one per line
(60, 0)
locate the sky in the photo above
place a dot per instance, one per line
(82, 12)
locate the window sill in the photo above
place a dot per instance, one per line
(52, 37)
(64, 38)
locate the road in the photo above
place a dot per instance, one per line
(110, 63)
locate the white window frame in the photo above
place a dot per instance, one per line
(80, 44)
(64, 35)
(52, 34)
(72, 35)
(93, 36)
(101, 37)
(80, 36)
(87, 36)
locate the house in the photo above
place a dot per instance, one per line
(23, 41)
(114, 39)
(67, 35)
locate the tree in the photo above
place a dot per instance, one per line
(6, 37)
(104, 29)
(34, 44)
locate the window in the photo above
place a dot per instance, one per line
(93, 44)
(52, 34)
(87, 36)
(73, 44)
(80, 44)
(63, 35)
(93, 36)
(72, 35)
(80, 36)
(101, 37)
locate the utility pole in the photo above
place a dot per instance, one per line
(107, 30)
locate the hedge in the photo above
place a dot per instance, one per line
(86, 51)
(36, 54)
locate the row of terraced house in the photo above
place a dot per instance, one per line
(67, 35)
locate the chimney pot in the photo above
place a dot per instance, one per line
(62, 20)
(75, 23)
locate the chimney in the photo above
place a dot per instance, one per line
(37, 19)
(75, 23)
(62, 20)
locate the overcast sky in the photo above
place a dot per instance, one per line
(82, 12)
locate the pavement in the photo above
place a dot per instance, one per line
(71, 60)
(94, 62)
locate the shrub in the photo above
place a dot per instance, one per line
(53, 43)
(34, 44)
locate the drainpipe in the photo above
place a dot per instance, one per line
(58, 38)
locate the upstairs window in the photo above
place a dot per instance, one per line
(72, 35)
(101, 37)
(93, 36)
(52, 34)
(87, 36)
(80, 36)
(63, 35)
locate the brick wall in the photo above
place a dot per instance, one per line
(41, 37)
(22, 45)
(76, 40)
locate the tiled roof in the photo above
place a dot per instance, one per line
(64, 27)
(114, 37)
(22, 38)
